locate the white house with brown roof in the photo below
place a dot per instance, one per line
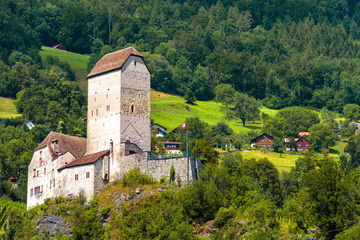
(118, 136)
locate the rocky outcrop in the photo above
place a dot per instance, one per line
(49, 223)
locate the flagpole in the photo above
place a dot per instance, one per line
(187, 145)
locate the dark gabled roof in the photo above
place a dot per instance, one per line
(113, 61)
(302, 138)
(76, 145)
(86, 159)
(155, 124)
(261, 136)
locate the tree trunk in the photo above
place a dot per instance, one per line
(243, 121)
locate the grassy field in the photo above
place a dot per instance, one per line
(7, 108)
(78, 62)
(171, 111)
(283, 163)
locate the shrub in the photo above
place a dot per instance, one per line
(223, 215)
(135, 177)
(172, 174)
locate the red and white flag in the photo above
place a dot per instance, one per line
(184, 126)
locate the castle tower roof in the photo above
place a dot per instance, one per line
(113, 61)
(75, 145)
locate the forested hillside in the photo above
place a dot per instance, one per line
(295, 56)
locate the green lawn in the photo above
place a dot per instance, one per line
(78, 62)
(171, 111)
(283, 163)
(7, 108)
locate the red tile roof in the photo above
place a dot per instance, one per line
(86, 159)
(75, 145)
(113, 61)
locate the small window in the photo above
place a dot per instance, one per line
(94, 99)
(76, 177)
(31, 192)
(299, 145)
(44, 170)
(92, 113)
(40, 155)
(97, 112)
(50, 183)
(132, 108)
(37, 190)
(42, 188)
(34, 173)
(307, 144)
(108, 108)
(134, 63)
(37, 173)
(87, 174)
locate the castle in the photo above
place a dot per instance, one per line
(118, 136)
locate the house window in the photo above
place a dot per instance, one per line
(76, 177)
(37, 190)
(42, 188)
(40, 155)
(87, 174)
(269, 145)
(261, 140)
(34, 173)
(92, 113)
(31, 192)
(299, 145)
(108, 108)
(307, 144)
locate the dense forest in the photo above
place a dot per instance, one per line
(298, 55)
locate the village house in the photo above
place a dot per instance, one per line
(300, 144)
(118, 136)
(264, 141)
(172, 147)
(161, 131)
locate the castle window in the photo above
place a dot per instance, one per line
(95, 99)
(108, 108)
(132, 108)
(76, 177)
(34, 173)
(31, 192)
(97, 112)
(134, 63)
(42, 188)
(37, 190)
(87, 174)
(44, 170)
(40, 155)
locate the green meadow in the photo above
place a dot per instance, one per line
(78, 62)
(171, 111)
(7, 108)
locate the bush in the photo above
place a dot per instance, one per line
(135, 177)
(223, 215)
(172, 174)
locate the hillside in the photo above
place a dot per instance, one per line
(171, 111)
(7, 108)
(78, 62)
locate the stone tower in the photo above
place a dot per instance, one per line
(118, 105)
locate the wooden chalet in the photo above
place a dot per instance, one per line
(264, 140)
